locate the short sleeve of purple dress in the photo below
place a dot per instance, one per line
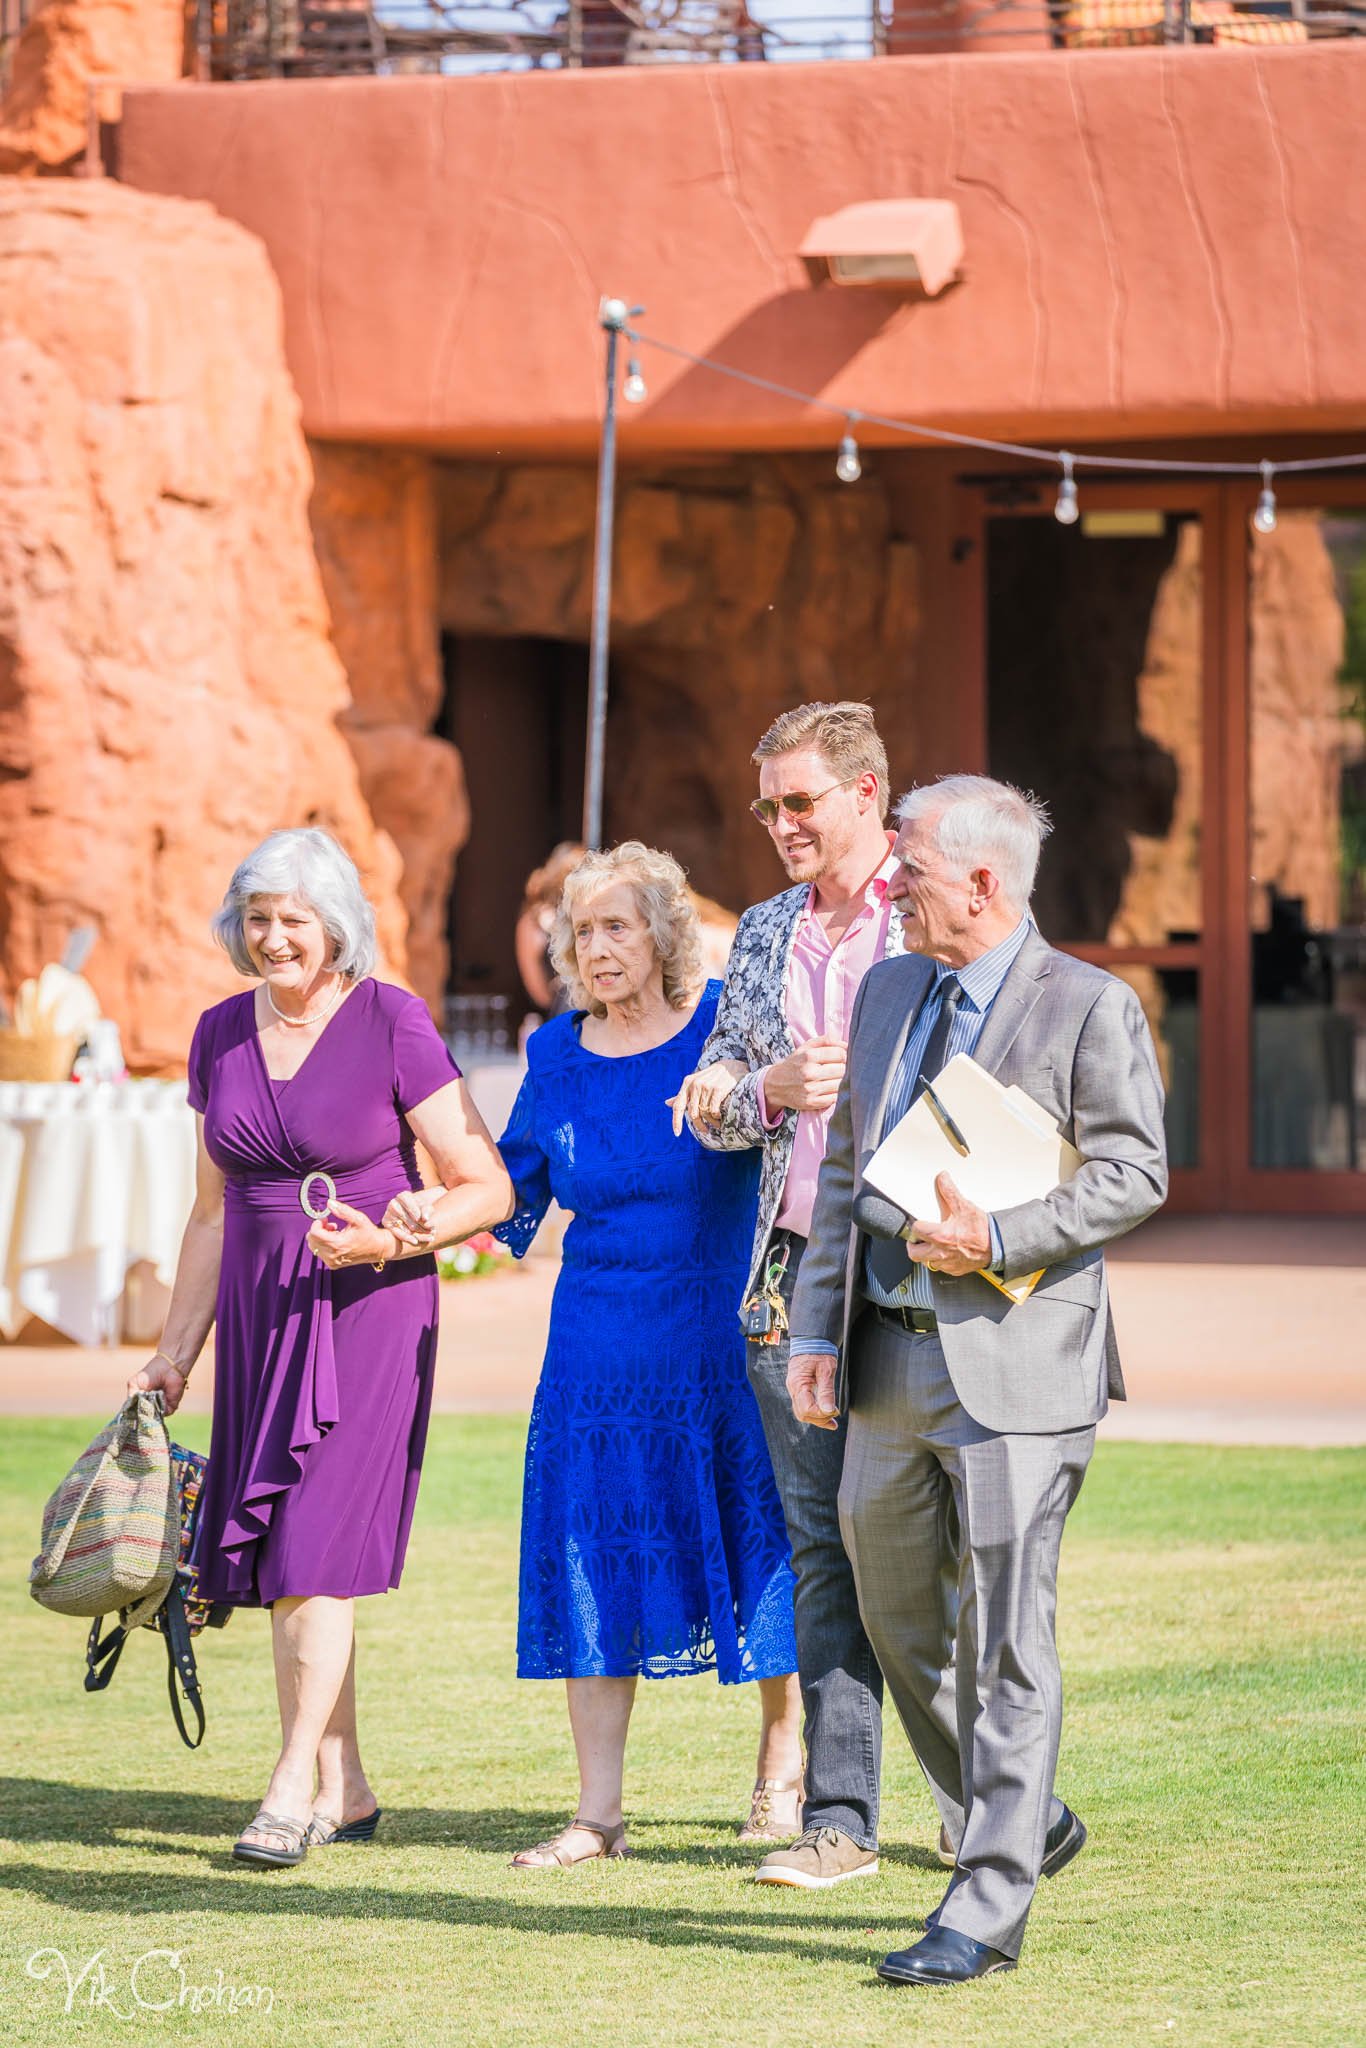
(322, 1380)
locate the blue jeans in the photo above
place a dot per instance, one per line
(840, 1679)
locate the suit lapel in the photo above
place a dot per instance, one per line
(1015, 999)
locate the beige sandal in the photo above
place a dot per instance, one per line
(554, 1855)
(292, 1834)
(772, 1816)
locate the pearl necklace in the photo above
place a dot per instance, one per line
(298, 1023)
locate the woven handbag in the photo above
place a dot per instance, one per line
(180, 1615)
(111, 1531)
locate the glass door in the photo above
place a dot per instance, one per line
(1100, 658)
(1189, 697)
(1304, 857)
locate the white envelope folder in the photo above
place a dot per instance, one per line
(1016, 1152)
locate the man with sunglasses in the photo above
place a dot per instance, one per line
(768, 1076)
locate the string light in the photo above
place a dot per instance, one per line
(1264, 518)
(1150, 465)
(634, 390)
(1067, 511)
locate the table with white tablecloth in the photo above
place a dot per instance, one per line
(96, 1184)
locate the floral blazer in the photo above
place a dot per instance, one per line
(751, 1026)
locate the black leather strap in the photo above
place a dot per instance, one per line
(182, 1673)
(101, 1658)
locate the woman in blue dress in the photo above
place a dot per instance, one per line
(653, 1542)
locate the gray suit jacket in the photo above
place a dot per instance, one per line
(1076, 1039)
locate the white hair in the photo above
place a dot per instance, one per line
(977, 822)
(309, 864)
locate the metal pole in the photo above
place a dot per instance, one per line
(613, 315)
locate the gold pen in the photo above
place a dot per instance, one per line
(951, 1130)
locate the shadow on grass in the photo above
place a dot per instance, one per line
(49, 1810)
(835, 1940)
(37, 1810)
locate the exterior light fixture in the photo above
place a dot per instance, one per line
(1067, 511)
(896, 242)
(848, 467)
(1264, 518)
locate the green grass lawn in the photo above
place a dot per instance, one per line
(1211, 1630)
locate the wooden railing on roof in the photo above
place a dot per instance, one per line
(243, 39)
(246, 39)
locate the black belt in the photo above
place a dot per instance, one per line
(921, 1322)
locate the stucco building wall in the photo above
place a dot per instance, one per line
(1157, 242)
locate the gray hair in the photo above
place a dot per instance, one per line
(976, 821)
(309, 864)
(660, 888)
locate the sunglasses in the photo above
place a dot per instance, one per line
(797, 805)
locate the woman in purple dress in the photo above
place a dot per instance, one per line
(311, 1089)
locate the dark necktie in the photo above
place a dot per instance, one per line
(887, 1256)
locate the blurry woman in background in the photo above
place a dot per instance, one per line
(531, 939)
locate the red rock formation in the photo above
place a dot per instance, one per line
(168, 687)
(65, 46)
(739, 590)
(374, 525)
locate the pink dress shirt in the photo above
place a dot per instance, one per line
(822, 981)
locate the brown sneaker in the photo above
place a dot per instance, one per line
(818, 1858)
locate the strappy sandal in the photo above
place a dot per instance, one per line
(554, 1855)
(323, 1830)
(294, 1833)
(764, 1825)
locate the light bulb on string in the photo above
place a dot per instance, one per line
(1067, 511)
(633, 390)
(848, 468)
(1264, 518)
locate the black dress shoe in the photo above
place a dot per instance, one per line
(1064, 1840)
(943, 1957)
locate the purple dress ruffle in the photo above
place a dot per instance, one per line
(322, 1380)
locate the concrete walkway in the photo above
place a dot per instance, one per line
(1235, 1330)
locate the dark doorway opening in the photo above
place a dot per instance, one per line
(517, 710)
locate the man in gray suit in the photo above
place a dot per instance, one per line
(955, 1396)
